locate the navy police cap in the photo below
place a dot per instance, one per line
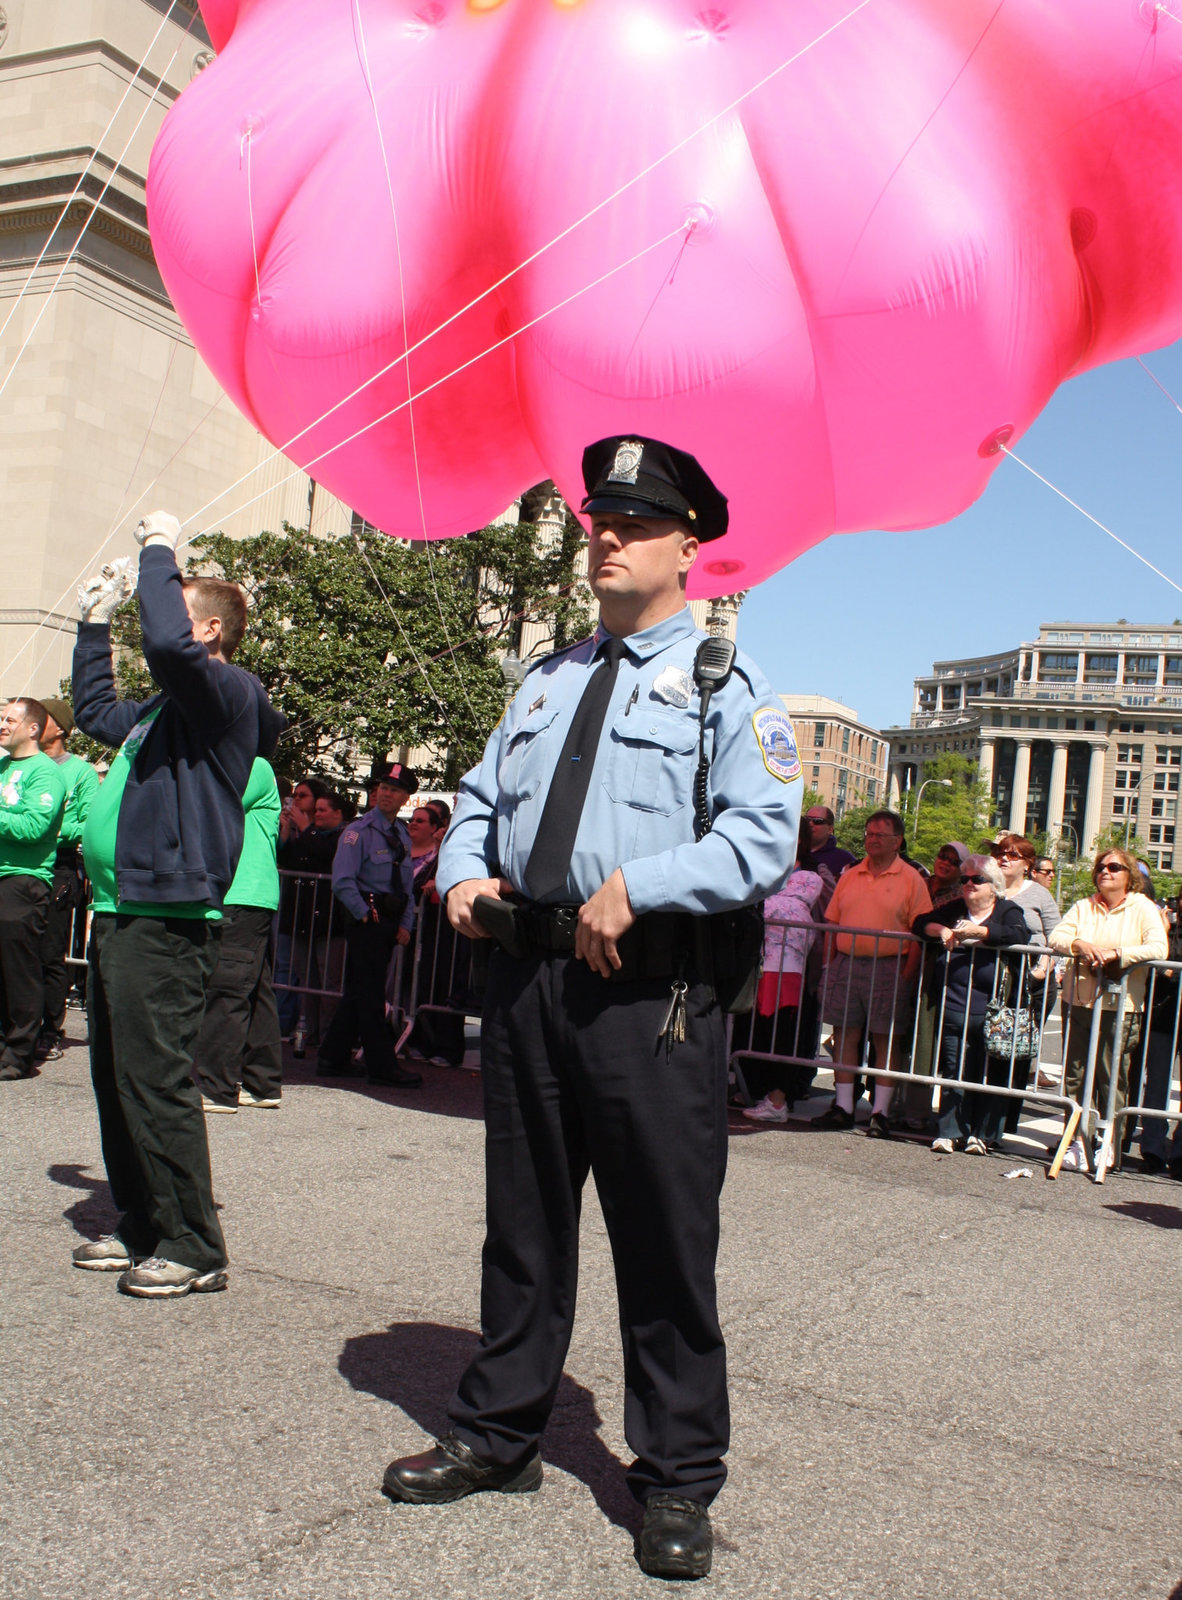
(639, 477)
(400, 776)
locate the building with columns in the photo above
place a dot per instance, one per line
(1076, 731)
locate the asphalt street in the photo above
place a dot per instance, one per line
(945, 1382)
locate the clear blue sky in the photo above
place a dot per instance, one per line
(1019, 557)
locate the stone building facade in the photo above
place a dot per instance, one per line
(109, 411)
(843, 759)
(1075, 731)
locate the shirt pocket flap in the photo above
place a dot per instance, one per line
(533, 722)
(677, 734)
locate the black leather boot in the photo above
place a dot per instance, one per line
(676, 1540)
(450, 1471)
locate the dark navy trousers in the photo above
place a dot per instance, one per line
(575, 1081)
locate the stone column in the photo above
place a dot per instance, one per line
(1058, 789)
(1021, 786)
(1095, 795)
(893, 789)
(988, 749)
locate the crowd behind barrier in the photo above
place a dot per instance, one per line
(434, 984)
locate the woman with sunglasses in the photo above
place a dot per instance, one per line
(971, 930)
(1112, 933)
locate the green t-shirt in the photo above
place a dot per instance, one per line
(256, 881)
(82, 783)
(32, 804)
(98, 841)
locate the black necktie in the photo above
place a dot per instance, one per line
(549, 860)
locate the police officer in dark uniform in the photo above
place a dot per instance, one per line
(373, 879)
(622, 811)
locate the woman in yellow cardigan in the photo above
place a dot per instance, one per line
(1111, 934)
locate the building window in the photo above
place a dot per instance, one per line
(1118, 805)
(1099, 669)
(1055, 667)
(816, 774)
(1130, 753)
(819, 734)
(871, 792)
(1121, 781)
(845, 741)
(1155, 835)
(1165, 782)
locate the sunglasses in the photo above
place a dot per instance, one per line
(1107, 866)
(1008, 855)
(974, 877)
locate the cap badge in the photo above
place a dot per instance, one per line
(629, 454)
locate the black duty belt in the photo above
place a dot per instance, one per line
(660, 944)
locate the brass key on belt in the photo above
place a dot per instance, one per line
(672, 1030)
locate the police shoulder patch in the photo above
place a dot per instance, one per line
(777, 744)
(351, 837)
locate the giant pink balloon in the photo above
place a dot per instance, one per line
(835, 293)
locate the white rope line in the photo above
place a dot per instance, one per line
(1145, 561)
(82, 232)
(630, 183)
(1166, 12)
(244, 150)
(447, 377)
(86, 169)
(1160, 384)
(460, 744)
(66, 594)
(363, 53)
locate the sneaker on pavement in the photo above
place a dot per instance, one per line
(943, 1147)
(158, 1279)
(261, 1102)
(974, 1146)
(208, 1105)
(438, 1061)
(834, 1118)
(766, 1110)
(880, 1127)
(1076, 1159)
(108, 1254)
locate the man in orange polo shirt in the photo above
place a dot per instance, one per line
(869, 979)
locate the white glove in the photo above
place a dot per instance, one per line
(159, 528)
(101, 596)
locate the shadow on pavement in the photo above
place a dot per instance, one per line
(444, 1091)
(1158, 1216)
(415, 1366)
(96, 1213)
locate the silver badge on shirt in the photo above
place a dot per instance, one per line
(674, 686)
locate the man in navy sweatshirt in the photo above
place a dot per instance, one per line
(161, 844)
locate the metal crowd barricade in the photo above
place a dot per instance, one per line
(309, 952)
(441, 977)
(888, 978)
(1155, 1070)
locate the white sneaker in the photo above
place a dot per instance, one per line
(208, 1105)
(974, 1146)
(1076, 1159)
(766, 1111)
(262, 1102)
(943, 1147)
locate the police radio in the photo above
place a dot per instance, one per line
(712, 669)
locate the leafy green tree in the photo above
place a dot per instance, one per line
(812, 797)
(964, 811)
(366, 643)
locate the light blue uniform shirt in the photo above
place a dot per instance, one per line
(639, 812)
(364, 865)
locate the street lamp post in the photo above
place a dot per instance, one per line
(1064, 827)
(943, 783)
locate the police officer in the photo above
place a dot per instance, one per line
(68, 891)
(578, 845)
(373, 879)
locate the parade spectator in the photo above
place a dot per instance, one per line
(238, 1059)
(913, 1101)
(1017, 858)
(1162, 1051)
(944, 883)
(970, 931)
(443, 973)
(161, 846)
(1111, 934)
(825, 848)
(784, 1020)
(32, 805)
(869, 979)
(424, 846)
(67, 894)
(310, 945)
